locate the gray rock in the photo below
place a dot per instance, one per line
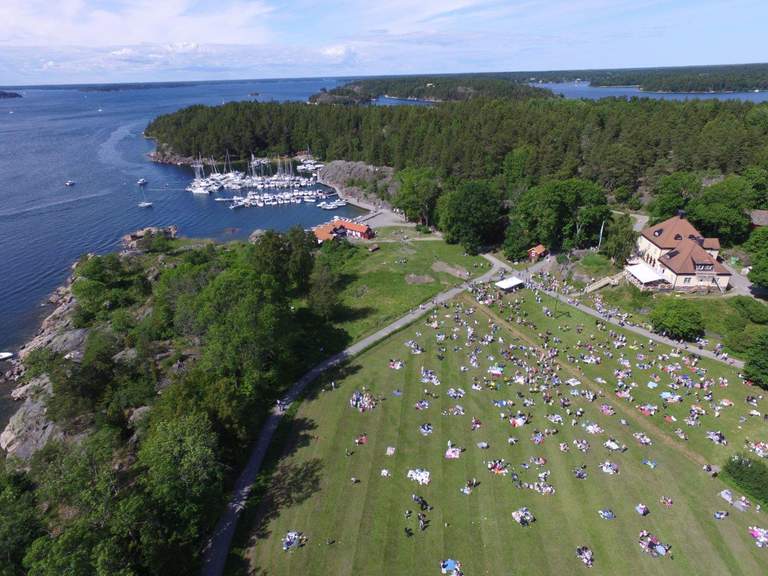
(39, 385)
(69, 341)
(137, 415)
(125, 356)
(28, 430)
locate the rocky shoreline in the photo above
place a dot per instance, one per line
(29, 428)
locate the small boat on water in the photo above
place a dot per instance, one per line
(141, 182)
(69, 183)
(145, 204)
(5, 356)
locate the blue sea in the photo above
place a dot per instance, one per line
(52, 135)
(95, 139)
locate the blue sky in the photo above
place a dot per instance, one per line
(63, 41)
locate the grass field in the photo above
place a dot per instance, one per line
(310, 488)
(722, 321)
(595, 266)
(383, 285)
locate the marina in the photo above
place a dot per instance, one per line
(266, 183)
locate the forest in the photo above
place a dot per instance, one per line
(187, 349)
(720, 78)
(456, 87)
(613, 142)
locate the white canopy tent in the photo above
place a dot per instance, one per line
(643, 273)
(511, 283)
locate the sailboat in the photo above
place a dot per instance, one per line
(144, 202)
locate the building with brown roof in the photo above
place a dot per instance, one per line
(682, 257)
(537, 252)
(340, 228)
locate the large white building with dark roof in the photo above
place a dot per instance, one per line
(681, 257)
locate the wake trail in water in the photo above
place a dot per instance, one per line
(58, 203)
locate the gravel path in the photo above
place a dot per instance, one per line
(217, 550)
(525, 275)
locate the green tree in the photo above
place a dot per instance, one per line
(756, 366)
(418, 194)
(759, 273)
(672, 193)
(302, 245)
(517, 171)
(472, 214)
(678, 319)
(323, 291)
(720, 210)
(517, 240)
(183, 473)
(20, 523)
(620, 238)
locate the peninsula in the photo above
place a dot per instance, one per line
(4, 94)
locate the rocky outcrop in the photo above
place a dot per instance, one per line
(29, 428)
(355, 180)
(5, 95)
(135, 240)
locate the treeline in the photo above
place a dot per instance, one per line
(457, 87)
(721, 78)
(613, 142)
(187, 351)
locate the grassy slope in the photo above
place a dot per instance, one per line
(376, 291)
(715, 310)
(367, 520)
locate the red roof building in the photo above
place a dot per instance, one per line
(341, 228)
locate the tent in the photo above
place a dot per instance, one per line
(643, 273)
(509, 284)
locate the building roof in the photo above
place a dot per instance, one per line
(668, 234)
(509, 283)
(759, 217)
(328, 230)
(643, 272)
(538, 250)
(686, 255)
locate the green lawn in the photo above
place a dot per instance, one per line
(311, 489)
(383, 285)
(595, 266)
(722, 321)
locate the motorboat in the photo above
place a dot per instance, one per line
(141, 182)
(69, 183)
(145, 204)
(5, 356)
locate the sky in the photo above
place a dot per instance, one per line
(72, 41)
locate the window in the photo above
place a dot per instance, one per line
(687, 280)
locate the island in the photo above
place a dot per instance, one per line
(4, 94)
(452, 87)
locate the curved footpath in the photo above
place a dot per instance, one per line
(217, 550)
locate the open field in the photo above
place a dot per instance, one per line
(383, 285)
(311, 490)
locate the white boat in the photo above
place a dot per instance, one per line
(69, 183)
(141, 182)
(5, 356)
(145, 204)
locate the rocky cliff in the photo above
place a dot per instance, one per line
(358, 180)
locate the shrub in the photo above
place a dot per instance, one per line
(678, 319)
(750, 309)
(756, 367)
(749, 475)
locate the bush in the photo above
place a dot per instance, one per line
(750, 309)
(756, 367)
(678, 319)
(749, 475)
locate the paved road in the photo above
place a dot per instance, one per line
(525, 275)
(217, 550)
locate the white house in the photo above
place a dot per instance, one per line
(683, 259)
